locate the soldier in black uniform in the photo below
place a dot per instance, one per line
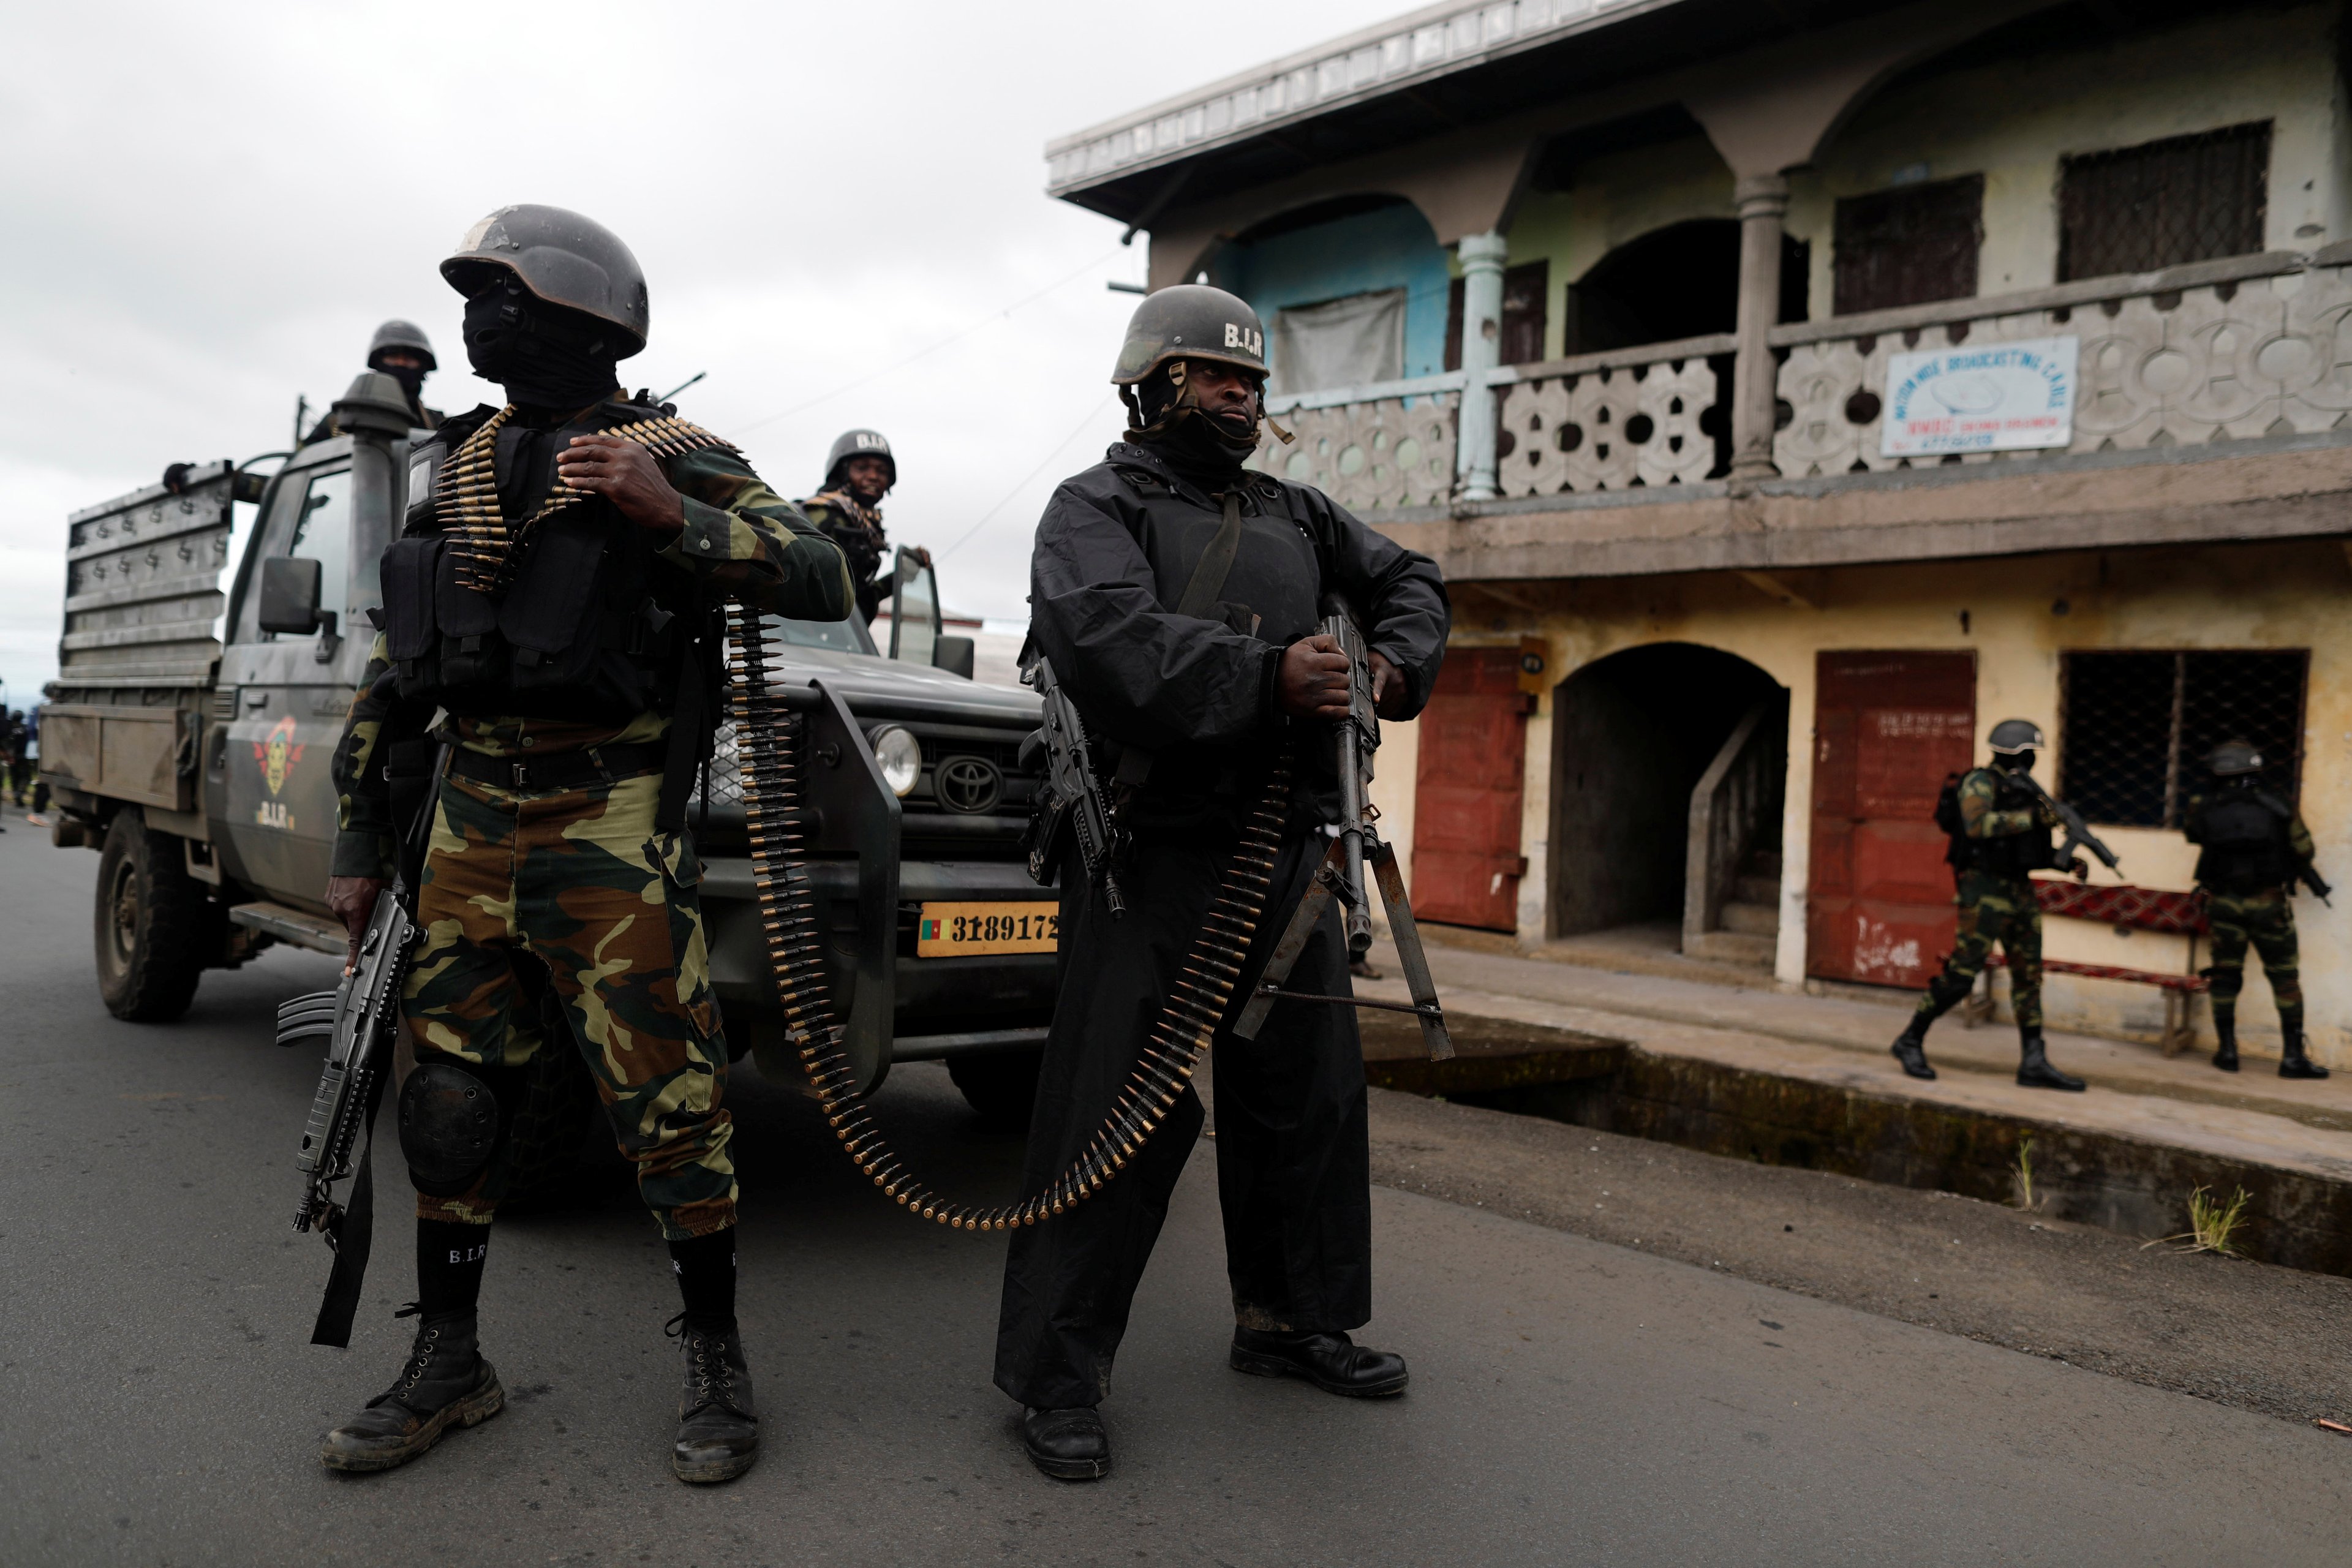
(553, 597)
(858, 472)
(2253, 849)
(1212, 699)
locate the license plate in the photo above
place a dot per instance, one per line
(964, 930)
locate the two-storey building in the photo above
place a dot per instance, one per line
(1853, 372)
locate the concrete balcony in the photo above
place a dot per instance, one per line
(2213, 402)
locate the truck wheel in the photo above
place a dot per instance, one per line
(152, 923)
(1002, 1086)
(558, 1101)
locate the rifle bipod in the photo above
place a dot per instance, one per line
(1331, 880)
(768, 736)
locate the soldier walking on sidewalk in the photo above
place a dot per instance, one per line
(2000, 831)
(2253, 849)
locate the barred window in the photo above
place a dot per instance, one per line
(1909, 246)
(2139, 725)
(2162, 203)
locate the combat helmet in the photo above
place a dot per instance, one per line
(2234, 759)
(2011, 736)
(1189, 321)
(396, 334)
(857, 443)
(562, 258)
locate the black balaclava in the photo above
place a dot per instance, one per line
(545, 356)
(410, 376)
(1208, 450)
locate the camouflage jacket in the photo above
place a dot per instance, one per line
(743, 540)
(857, 529)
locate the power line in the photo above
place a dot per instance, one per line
(925, 353)
(1092, 414)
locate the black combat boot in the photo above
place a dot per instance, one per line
(1067, 1445)
(2225, 1048)
(2034, 1069)
(1910, 1046)
(717, 1420)
(2294, 1063)
(1332, 1363)
(446, 1383)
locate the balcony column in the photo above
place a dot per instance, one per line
(1482, 256)
(1762, 200)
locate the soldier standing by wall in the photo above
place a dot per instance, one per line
(2255, 848)
(1210, 698)
(2000, 833)
(555, 596)
(858, 472)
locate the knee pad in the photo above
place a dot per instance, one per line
(449, 1128)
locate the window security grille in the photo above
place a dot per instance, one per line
(2164, 203)
(2139, 725)
(1909, 246)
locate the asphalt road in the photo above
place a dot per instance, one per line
(1573, 1401)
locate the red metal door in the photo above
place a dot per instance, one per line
(1466, 863)
(1886, 729)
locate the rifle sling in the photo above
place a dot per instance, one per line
(1199, 597)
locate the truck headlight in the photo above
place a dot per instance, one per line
(901, 756)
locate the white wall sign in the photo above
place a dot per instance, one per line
(1991, 397)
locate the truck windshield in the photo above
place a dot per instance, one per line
(846, 635)
(323, 533)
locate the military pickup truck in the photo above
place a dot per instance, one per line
(188, 735)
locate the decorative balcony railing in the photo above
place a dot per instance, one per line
(1613, 421)
(1391, 445)
(2216, 350)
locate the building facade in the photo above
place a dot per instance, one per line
(1790, 394)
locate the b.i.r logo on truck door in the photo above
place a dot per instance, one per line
(277, 752)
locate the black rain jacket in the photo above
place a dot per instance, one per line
(1117, 546)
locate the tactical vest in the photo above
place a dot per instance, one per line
(1271, 591)
(2010, 855)
(2245, 845)
(555, 608)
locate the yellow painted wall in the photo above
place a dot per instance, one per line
(2012, 122)
(2260, 65)
(2227, 597)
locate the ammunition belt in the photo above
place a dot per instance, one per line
(465, 498)
(769, 738)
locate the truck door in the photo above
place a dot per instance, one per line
(292, 693)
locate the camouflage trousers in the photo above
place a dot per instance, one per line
(1993, 910)
(580, 882)
(2266, 922)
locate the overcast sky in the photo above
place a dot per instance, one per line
(208, 208)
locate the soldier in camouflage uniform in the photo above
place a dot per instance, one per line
(2253, 849)
(858, 472)
(2002, 832)
(574, 657)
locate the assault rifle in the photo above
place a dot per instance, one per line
(1354, 842)
(359, 1023)
(2078, 832)
(2310, 878)
(1076, 788)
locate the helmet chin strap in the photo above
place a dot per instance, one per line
(1186, 404)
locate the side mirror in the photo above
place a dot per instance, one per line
(290, 595)
(954, 655)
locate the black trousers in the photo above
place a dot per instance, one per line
(1294, 1164)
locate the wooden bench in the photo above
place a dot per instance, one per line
(2125, 908)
